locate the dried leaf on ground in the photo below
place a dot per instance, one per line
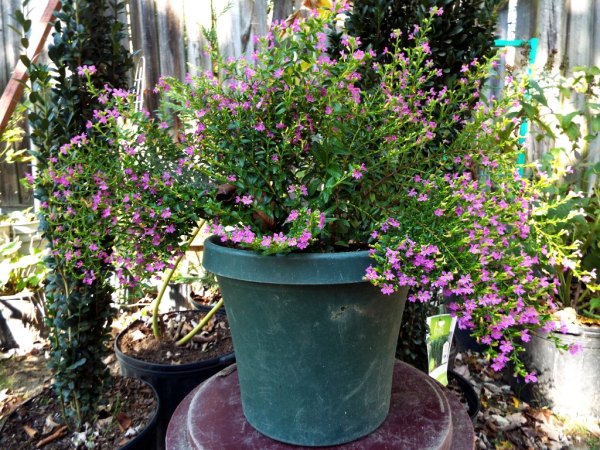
(124, 421)
(31, 432)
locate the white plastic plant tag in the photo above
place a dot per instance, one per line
(440, 329)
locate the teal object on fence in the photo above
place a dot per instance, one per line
(533, 46)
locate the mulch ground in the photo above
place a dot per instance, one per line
(37, 423)
(504, 422)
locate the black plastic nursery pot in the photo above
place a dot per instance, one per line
(468, 392)
(146, 439)
(314, 342)
(204, 307)
(172, 382)
(569, 384)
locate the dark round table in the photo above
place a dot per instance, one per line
(423, 415)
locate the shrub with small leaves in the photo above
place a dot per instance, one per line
(86, 34)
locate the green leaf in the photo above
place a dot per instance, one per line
(572, 131)
(566, 120)
(77, 364)
(565, 92)
(595, 124)
(25, 60)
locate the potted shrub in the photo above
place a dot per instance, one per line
(316, 189)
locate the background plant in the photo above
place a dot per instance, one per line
(565, 111)
(463, 33)
(20, 268)
(86, 33)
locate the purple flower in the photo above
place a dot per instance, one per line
(321, 224)
(499, 362)
(246, 199)
(89, 277)
(575, 348)
(86, 70)
(387, 289)
(357, 173)
(531, 378)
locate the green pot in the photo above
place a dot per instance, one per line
(314, 342)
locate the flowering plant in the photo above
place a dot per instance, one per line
(481, 244)
(287, 153)
(297, 153)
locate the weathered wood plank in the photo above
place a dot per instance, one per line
(237, 25)
(3, 32)
(551, 27)
(145, 40)
(596, 35)
(14, 88)
(12, 194)
(579, 32)
(197, 15)
(282, 9)
(259, 18)
(228, 28)
(169, 19)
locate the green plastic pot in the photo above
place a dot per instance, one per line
(314, 342)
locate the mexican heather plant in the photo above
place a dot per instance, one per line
(476, 241)
(287, 153)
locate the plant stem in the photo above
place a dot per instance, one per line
(168, 275)
(184, 340)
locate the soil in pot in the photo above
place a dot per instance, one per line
(174, 370)
(215, 340)
(38, 423)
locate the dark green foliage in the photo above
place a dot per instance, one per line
(412, 348)
(463, 32)
(86, 32)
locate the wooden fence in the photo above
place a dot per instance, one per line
(168, 34)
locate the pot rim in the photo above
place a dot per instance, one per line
(295, 268)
